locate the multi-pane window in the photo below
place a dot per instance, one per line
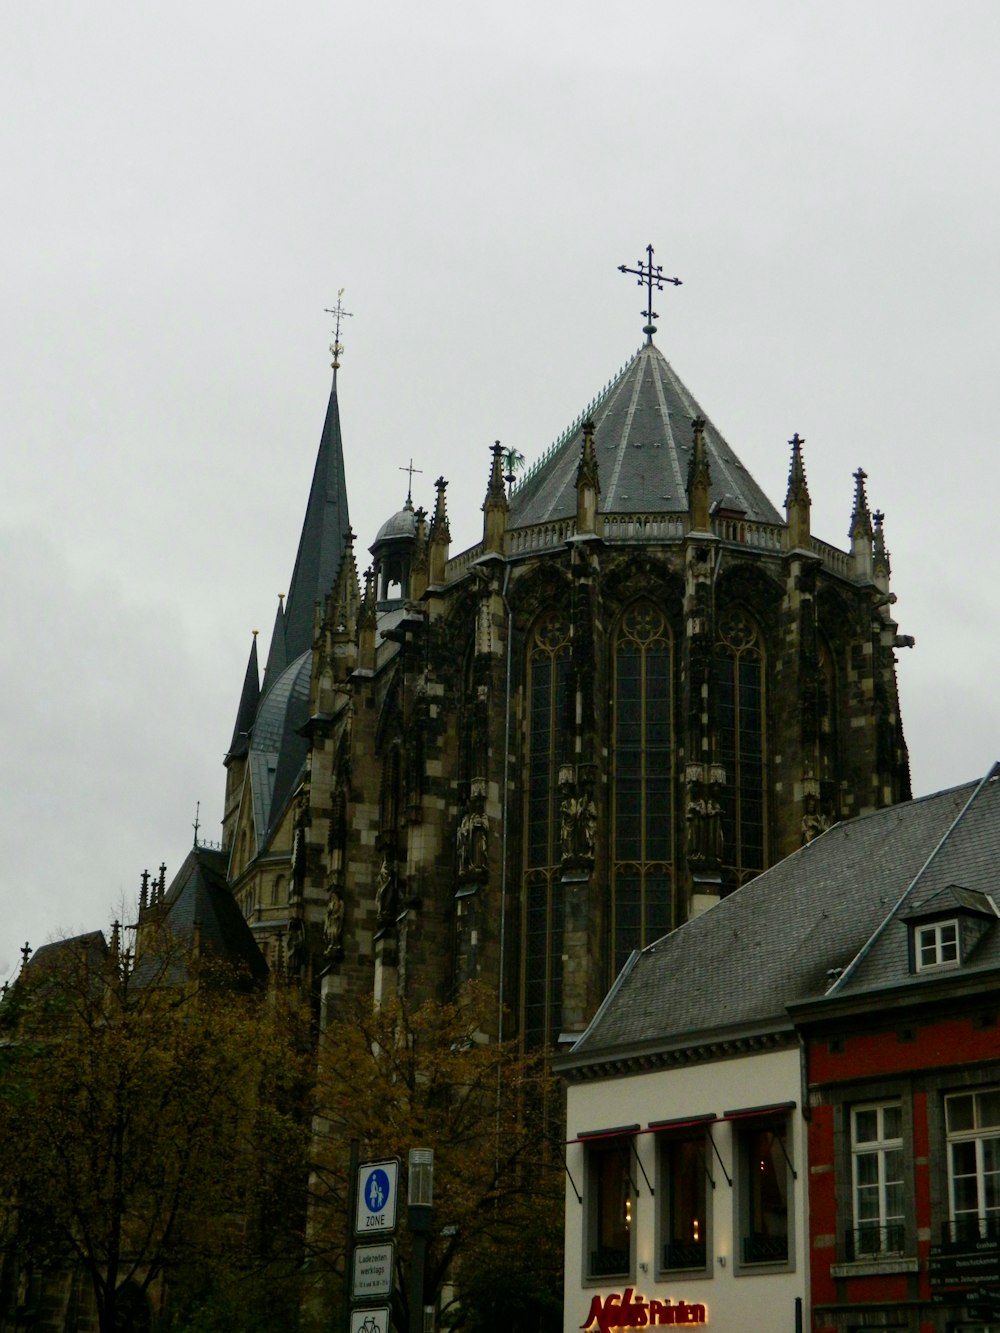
(739, 693)
(643, 787)
(764, 1191)
(877, 1171)
(936, 945)
(683, 1200)
(972, 1120)
(548, 688)
(609, 1208)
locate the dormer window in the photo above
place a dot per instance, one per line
(937, 945)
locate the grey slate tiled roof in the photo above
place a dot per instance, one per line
(968, 858)
(642, 438)
(200, 895)
(775, 941)
(324, 530)
(277, 747)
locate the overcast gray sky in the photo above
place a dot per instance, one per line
(186, 186)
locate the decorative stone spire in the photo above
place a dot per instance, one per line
(588, 484)
(495, 505)
(116, 940)
(367, 624)
(797, 503)
(699, 480)
(881, 568)
(861, 529)
(419, 568)
(345, 597)
(440, 535)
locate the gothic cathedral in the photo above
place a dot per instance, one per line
(520, 762)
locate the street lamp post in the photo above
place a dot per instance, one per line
(421, 1196)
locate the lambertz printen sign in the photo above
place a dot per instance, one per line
(631, 1311)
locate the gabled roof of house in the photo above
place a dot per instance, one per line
(780, 939)
(643, 440)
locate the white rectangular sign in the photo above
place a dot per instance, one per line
(373, 1270)
(378, 1192)
(370, 1321)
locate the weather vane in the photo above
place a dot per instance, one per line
(409, 484)
(649, 274)
(338, 313)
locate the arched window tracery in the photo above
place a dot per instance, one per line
(740, 703)
(547, 699)
(643, 778)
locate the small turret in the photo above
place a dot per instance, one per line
(861, 530)
(495, 506)
(797, 502)
(440, 535)
(588, 484)
(881, 568)
(367, 624)
(699, 480)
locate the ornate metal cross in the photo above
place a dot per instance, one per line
(649, 274)
(409, 484)
(338, 313)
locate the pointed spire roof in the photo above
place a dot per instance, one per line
(277, 655)
(642, 439)
(324, 529)
(247, 710)
(861, 519)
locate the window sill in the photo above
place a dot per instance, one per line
(896, 1263)
(684, 1274)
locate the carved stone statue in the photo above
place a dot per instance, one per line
(333, 924)
(814, 821)
(296, 953)
(704, 826)
(471, 843)
(385, 892)
(577, 826)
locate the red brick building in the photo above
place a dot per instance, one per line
(902, 1078)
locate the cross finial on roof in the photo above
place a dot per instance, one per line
(410, 469)
(197, 824)
(649, 274)
(25, 953)
(339, 313)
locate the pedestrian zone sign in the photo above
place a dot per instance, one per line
(378, 1191)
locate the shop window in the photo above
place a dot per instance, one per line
(683, 1197)
(609, 1204)
(972, 1121)
(877, 1181)
(764, 1184)
(936, 945)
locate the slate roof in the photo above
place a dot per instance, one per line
(90, 949)
(199, 894)
(775, 941)
(324, 530)
(642, 439)
(247, 710)
(278, 749)
(968, 858)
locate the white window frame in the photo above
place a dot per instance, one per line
(930, 939)
(879, 1148)
(984, 1220)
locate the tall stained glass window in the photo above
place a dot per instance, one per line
(641, 874)
(739, 695)
(548, 689)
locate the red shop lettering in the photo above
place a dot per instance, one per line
(630, 1311)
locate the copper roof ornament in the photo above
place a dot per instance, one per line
(649, 274)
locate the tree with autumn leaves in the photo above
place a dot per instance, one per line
(153, 1133)
(396, 1078)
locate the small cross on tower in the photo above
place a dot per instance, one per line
(410, 469)
(649, 274)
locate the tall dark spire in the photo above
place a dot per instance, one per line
(324, 530)
(277, 657)
(247, 710)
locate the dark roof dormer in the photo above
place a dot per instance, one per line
(945, 928)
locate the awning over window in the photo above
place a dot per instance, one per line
(759, 1112)
(619, 1132)
(686, 1122)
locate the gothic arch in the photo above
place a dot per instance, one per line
(741, 709)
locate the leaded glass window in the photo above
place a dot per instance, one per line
(739, 696)
(548, 688)
(642, 879)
